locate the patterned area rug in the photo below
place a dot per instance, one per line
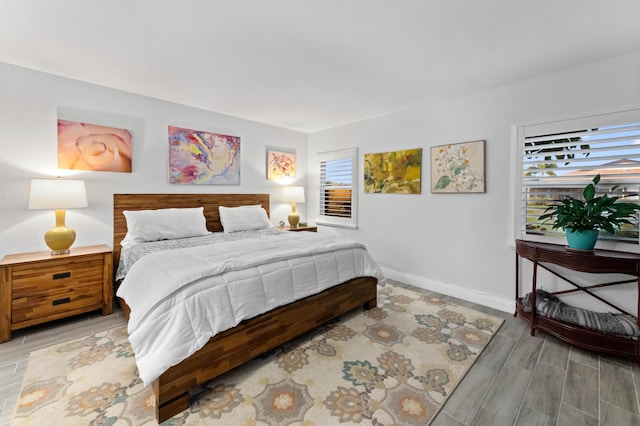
(393, 365)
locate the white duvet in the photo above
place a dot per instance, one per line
(180, 298)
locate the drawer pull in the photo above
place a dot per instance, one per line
(61, 301)
(61, 275)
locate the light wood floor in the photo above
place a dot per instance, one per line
(517, 380)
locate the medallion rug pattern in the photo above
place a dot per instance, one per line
(393, 365)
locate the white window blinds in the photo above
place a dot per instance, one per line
(559, 159)
(338, 188)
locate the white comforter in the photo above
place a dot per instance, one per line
(180, 298)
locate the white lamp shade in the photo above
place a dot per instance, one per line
(293, 194)
(57, 194)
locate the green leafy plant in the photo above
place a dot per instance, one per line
(593, 213)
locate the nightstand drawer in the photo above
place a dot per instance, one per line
(56, 302)
(51, 276)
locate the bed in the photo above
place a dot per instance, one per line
(252, 336)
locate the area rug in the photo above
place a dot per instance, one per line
(393, 365)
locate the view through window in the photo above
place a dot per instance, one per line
(559, 159)
(337, 193)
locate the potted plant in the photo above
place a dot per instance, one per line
(582, 220)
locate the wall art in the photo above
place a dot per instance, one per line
(199, 157)
(458, 168)
(397, 172)
(280, 165)
(85, 146)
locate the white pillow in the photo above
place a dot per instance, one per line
(164, 224)
(243, 218)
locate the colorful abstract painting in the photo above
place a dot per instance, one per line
(199, 157)
(84, 146)
(281, 165)
(397, 172)
(458, 167)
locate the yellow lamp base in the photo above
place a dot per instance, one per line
(60, 238)
(293, 217)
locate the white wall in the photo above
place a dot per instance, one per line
(461, 244)
(29, 106)
(456, 244)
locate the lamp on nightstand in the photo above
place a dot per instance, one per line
(58, 194)
(293, 195)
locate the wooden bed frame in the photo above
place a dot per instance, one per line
(250, 338)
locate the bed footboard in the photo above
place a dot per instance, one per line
(256, 336)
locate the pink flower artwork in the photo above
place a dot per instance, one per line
(83, 146)
(280, 165)
(198, 157)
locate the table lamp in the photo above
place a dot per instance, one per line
(58, 195)
(293, 195)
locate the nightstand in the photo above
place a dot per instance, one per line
(38, 287)
(300, 228)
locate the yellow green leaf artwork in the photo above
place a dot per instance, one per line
(396, 172)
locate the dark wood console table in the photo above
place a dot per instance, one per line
(596, 262)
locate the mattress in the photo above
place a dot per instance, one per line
(181, 297)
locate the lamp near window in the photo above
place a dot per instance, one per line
(58, 194)
(293, 195)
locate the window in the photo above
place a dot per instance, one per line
(338, 189)
(560, 158)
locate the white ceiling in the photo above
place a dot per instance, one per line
(312, 64)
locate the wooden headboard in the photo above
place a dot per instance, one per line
(210, 202)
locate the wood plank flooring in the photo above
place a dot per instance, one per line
(15, 353)
(521, 379)
(517, 380)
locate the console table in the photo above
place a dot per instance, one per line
(595, 262)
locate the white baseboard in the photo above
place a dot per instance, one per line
(499, 303)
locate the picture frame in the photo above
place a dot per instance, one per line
(458, 168)
(281, 165)
(395, 172)
(87, 146)
(201, 157)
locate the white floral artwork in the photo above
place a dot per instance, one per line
(458, 168)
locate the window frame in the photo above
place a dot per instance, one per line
(331, 220)
(522, 131)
